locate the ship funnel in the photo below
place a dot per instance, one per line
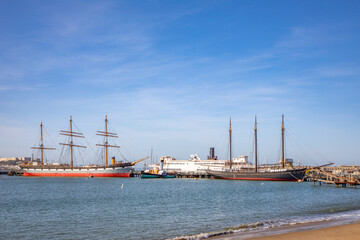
(212, 153)
(161, 164)
(113, 160)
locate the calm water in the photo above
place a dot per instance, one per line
(98, 208)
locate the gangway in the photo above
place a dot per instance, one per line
(318, 175)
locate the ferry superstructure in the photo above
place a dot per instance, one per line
(195, 165)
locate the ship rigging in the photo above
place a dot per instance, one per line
(116, 169)
(285, 172)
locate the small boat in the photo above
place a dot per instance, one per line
(157, 171)
(160, 174)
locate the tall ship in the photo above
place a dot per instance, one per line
(285, 171)
(115, 169)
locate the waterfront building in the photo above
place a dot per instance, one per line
(25, 159)
(344, 170)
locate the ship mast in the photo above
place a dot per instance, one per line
(106, 134)
(282, 143)
(71, 134)
(41, 146)
(151, 158)
(255, 129)
(230, 162)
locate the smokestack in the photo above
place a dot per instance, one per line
(212, 153)
(113, 160)
(161, 164)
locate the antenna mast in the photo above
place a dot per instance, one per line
(41, 146)
(255, 129)
(106, 134)
(71, 134)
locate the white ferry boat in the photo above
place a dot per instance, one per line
(195, 165)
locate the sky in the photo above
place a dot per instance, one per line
(170, 74)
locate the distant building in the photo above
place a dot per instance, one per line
(12, 163)
(344, 170)
(25, 159)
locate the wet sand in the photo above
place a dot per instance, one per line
(329, 230)
(350, 231)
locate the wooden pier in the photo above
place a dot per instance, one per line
(193, 175)
(321, 176)
(179, 175)
(15, 173)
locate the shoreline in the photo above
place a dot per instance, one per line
(322, 230)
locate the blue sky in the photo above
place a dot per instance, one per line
(169, 74)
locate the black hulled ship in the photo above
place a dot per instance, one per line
(285, 171)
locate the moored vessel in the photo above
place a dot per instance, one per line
(160, 174)
(265, 175)
(115, 169)
(283, 172)
(119, 170)
(156, 171)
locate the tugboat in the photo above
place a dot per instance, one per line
(157, 172)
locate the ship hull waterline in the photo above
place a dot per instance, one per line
(152, 176)
(87, 173)
(289, 176)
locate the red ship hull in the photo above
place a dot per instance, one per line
(54, 171)
(37, 174)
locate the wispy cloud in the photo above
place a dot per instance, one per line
(17, 88)
(312, 36)
(340, 70)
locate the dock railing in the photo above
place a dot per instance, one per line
(321, 176)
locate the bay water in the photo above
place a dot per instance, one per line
(134, 208)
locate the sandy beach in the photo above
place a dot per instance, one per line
(332, 230)
(349, 231)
